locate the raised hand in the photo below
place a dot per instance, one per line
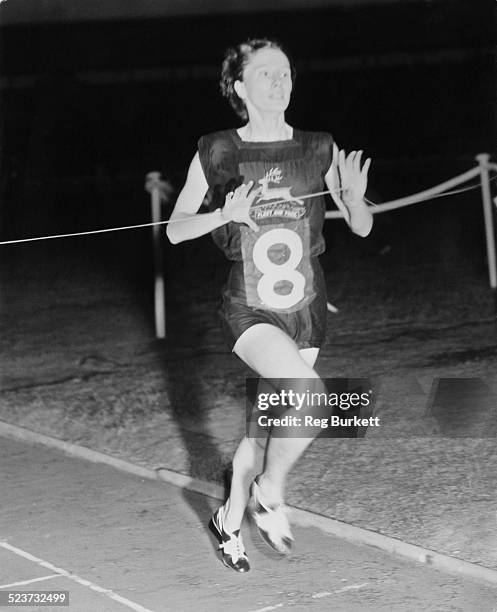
(237, 205)
(353, 179)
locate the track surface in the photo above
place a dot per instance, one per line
(146, 543)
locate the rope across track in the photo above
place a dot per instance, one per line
(428, 194)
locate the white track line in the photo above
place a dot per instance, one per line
(268, 608)
(351, 587)
(22, 582)
(322, 594)
(75, 578)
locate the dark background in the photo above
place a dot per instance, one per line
(89, 107)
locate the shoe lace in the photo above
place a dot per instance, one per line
(234, 547)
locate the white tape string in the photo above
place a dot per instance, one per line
(100, 231)
(429, 194)
(137, 226)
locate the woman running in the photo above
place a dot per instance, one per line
(274, 303)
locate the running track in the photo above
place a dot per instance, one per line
(117, 543)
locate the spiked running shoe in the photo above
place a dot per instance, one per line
(271, 521)
(230, 544)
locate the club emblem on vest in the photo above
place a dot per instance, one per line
(271, 193)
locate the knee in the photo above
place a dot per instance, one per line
(309, 384)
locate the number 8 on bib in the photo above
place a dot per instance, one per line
(277, 271)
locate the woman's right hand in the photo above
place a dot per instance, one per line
(237, 205)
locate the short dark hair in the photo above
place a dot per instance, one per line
(235, 60)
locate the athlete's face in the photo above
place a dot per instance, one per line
(267, 82)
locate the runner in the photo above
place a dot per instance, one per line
(274, 302)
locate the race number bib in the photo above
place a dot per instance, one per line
(278, 275)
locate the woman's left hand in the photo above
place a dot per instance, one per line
(353, 178)
(347, 183)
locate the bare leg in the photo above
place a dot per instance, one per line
(273, 355)
(282, 453)
(248, 461)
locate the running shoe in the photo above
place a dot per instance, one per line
(271, 521)
(230, 544)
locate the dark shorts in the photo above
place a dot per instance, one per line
(307, 326)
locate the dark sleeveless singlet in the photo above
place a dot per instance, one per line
(276, 277)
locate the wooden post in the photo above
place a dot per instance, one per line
(153, 186)
(483, 160)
